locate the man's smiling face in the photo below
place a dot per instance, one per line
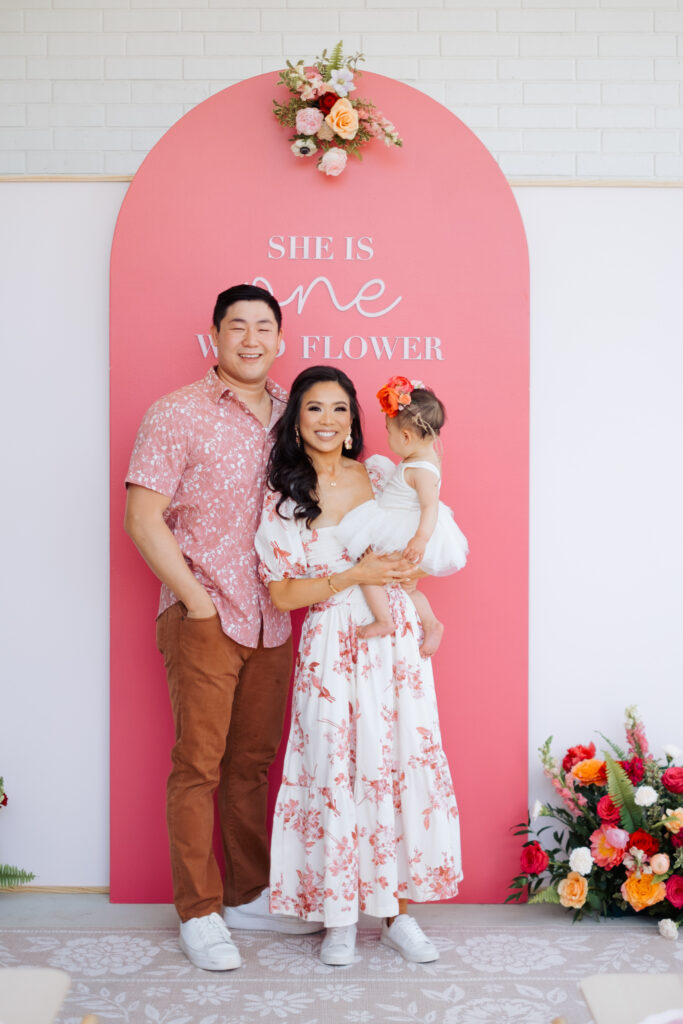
(247, 340)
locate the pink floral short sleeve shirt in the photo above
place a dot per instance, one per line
(203, 448)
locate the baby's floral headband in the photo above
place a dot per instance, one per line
(395, 395)
(323, 117)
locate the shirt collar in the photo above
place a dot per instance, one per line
(216, 387)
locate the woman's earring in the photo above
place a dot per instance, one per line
(348, 441)
(297, 435)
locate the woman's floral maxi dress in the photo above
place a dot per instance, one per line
(366, 811)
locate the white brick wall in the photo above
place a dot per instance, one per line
(591, 89)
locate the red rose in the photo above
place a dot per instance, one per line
(327, 101)
(674, 891)
(534, 859)
(576, 754)
(644, 841)
(673, 780)
(607, 812)
(3, 802)
(635, 769)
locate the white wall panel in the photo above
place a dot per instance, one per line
(606, 493)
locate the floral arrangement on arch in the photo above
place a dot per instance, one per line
(621, 845)
(323, 117)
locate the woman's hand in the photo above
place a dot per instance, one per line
(382, 570)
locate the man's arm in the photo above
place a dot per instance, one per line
(144, 524)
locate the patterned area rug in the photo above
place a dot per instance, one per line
(496, 975)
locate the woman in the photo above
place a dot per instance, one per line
(366, 816)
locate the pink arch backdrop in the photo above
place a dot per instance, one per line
(413, 262)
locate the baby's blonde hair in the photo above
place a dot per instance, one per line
(425, 414)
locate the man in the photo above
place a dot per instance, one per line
(195, 490)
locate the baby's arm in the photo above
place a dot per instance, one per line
(427, 486)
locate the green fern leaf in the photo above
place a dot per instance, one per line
(11, 876)
(336, 58)
(548, 895)
(621, 754)
(620, 788)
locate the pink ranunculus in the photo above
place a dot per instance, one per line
(608, 854)
(617, 837)
(674, 891)
(672, 778)
(607, 812)
(308, 120)
(333, 162)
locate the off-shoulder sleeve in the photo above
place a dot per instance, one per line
(379, 469)
(279, 545)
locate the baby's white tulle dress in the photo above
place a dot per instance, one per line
(389, 521)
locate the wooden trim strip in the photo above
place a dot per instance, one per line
(66, 889)
(513, 182)
(66, 177)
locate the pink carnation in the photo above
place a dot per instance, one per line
(333, 162)
(308, 120)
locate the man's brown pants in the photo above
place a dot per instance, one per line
(228, 705)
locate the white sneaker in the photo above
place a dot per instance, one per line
(339, 946)
(256, 916)
(406, 936)
(207, 943)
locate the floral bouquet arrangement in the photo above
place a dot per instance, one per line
(621, 847)
(322, 116)
(11, 876)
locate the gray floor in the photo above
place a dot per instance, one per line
(61, 910)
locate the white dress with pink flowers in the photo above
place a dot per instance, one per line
(366, 811)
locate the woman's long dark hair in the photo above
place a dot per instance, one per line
(290, 471)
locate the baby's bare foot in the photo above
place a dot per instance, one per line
(380, 627)
(433, 632)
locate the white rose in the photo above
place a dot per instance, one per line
(645, 796)
(581, 860)
(672, 751)
(668, 929)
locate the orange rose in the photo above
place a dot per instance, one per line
(388, 400)
(343, 119)
(590, 772)
(572, 890)
(643, 892)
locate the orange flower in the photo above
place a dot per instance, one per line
(572, 890)
(590, 772)
(643, 891)
(391, 400)
(343, 119)
(388, 400)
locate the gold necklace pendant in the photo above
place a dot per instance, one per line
(333, 483)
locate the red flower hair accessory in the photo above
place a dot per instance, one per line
(395, 395)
